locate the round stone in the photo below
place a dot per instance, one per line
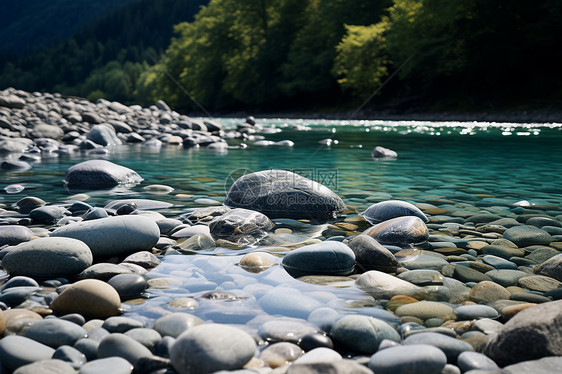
(255, 262)
(363, 334)
(128, 286)
(113, 365)
(400, 231)
(280, 354)
(113, 236)
(99, 174)
(326, 258)
(283, 194)
(121, 324)
(90, 297)
(211, 347)
(415, 358)
(123, 346)
(488, 292)
(46, 366)
(14, 234)
(382, 285)
(174, 324)
(48, 258)
(240, 224)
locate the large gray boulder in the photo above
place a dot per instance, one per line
(99, 174)
(283, 194)
(531, 334)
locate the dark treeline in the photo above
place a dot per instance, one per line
(312, 55)
(105, 58)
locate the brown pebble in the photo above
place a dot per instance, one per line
(510, 311)
(91, 298)
(255, 262)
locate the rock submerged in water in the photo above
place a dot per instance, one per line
(400, 231)
(326, 258)
(99, 174)
(371, 255)
(283, 194)
(241, 225)
(381, 152)
(389, 209)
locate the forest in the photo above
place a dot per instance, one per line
(310, 55)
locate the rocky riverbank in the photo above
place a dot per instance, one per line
(282, 278)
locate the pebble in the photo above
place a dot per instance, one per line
(450, 346)
(389, 209)
(382, 285)
(55, 332)
(423, 277)
(371, 255)
(487, 291)
(113, 365)
(90, 297)
(280, 354)
(123, 346)
(326, 258)
(255, 262)
(46, 366)
(128, 286)
(551, 267)
(121, 324)
(475, 361)
(539, 283)
(174, 324)
(506, 277)
(211, 347)
(414, 358)
(363, 334)
(16, 351)
(470, 312)
(147, 337)
(113, 236)
(425, 310)
(13, 234)
(400, 231)
(70, 355)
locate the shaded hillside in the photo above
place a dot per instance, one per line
(26, 25)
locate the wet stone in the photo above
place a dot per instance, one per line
(241, 225)
(70, 355)
(90, 298)
(418, 358)
(422, 277)
(389, 209)
(174, 324)
(326, 258)
(466, 274)
(128, 286)
(400, 231)
(499, 263)
(363, 334)
(371, 255)
(469, 312)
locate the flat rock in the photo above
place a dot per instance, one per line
(123, 346)
(426, 310)
(283, 194)
(326, 258)
(525, 235)
(16, 351)
(113, 236)
(539, 283)
(506, 277)
(400, 231)
(99, 174)
(415, 358)
(450, 346)
(55, 332)
(470, 312)
(48, 258)
(211, 347)
(531, 334)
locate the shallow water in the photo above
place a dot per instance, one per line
(472, 166)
